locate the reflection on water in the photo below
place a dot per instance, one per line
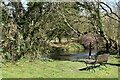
(74, 55)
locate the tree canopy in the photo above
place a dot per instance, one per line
(26, 31)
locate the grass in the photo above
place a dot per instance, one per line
(57, 69)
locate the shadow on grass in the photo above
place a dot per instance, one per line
(113, 64)
(92, 67)
(89, 68)
(118, 57)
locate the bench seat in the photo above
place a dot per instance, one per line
(100, 59)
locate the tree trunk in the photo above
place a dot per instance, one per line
(59, 39)
(118, 42)
(90, 50)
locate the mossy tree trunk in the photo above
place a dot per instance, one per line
(118, 42)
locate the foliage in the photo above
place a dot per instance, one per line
(22, 38)
(68, 47)
(74, 46)
(25, 32)
(113, 51)
(47, 60)
(102, 52)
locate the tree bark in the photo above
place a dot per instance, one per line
(59, 39)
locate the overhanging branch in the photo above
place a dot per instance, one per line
(110, 10)
(108, 14)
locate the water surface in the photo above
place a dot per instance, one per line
(74, 55)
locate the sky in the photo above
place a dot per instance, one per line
(71, 0)
(24, 2)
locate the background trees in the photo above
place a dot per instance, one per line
(25, 31)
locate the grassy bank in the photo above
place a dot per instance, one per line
(57, 69)
(74, 46)
(56, 48)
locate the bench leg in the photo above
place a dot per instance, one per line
(105, 65)
(88, 68)
(93, 67)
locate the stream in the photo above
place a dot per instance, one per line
(74, 55)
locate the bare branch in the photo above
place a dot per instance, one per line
(108, 14)
(109, 9)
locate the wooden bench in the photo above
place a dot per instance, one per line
(100, 59)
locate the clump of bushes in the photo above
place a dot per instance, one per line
(113, 51)
(75, 46)
(68, 47)
(110, 51)
(102, 52)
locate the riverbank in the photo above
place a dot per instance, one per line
(73, 46)
(57, 69)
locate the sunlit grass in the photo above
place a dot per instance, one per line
(57, 69)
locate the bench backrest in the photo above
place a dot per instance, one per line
(102, 58)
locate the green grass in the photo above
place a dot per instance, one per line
(57, 69)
